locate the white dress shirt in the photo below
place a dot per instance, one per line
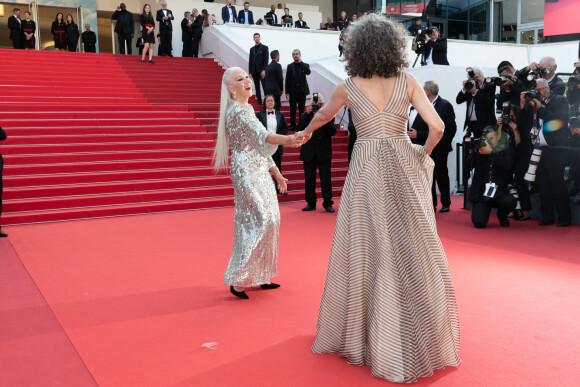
(271, 123)
(230, 10)
(246, 17)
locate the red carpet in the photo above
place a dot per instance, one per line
(138, 297)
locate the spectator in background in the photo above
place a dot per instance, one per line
(274, 80)
(246, 16)
(271, 17)
(58, 30)
(257, 65)
(342, 23)
(229, 13)
(300, 23)
(329, 25)
(164, 17)
(125, 28)
(89, 39)
(72, 34)
(296, 86)
(354, 18)
(28, 30)
(197, 31)
(2, 138)
(186, 35)
(287, 18)
(208, 20)
(436, 49)
(15, 26)
(147, 32)
(415, 27)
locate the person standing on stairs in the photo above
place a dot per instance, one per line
(72, 34)
(164, 17)
(147, 32)
(58, 30)
(125, 28)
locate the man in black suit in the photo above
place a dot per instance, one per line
(418, 133)
(479, 97)
(125, 28)
(300, 23)
(271, 17)
(274, 80)
(257, 65)
(493, 172)
(2, 138)
(552, 110)
(317, 152)
(186, 35)
(275, 122)
(196, 30)
(296, 86)
(436, 49)
(229, 13)
(89, 39)
(15, 25)
(246, 16)
(164, 17)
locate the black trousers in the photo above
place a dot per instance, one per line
(1, 187)
(351, 140)
(72, 46)
(551, 185)
(504, 202)
(296, 99)
(258, 81)
(90, 48)
(441, 178)
(574, 157)
(166, 47)
(521, 163)
(310, 180)
(187, 51)
(17, 43)
(196, 47)
(122, 38)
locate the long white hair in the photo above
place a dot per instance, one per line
(221, 151)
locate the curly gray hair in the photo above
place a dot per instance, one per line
(374, 46)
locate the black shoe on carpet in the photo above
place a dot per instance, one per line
(270, 286)
(241, 294)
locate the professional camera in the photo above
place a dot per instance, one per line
(315, 104)
(471, 81)
(531, 94)
(536, 73)
(498, 81)
(425, 31)
(534, 161)
(506, 117)
(474, 143)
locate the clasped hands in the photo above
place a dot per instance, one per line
(299, 138)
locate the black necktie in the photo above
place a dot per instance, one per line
(272, 112)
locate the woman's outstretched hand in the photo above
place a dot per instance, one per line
(281, 183)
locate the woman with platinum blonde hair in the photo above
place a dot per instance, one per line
(388, 301)
(254, 259)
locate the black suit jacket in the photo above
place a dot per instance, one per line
(555, 110)
(274, 80)
(503, 162)
(186, 30)
(125, 23)
(272, 18)
(320, 145)
(258, 59)
(15, 28)
(439, 48)
(226, 14)
(296, 85)
(445, 110)
(557, 86)
(197, 27)
(242, 14)
(300, 24)
(164, 25)
(281, 128)
(484, 104)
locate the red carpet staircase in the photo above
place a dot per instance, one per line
(97, 135)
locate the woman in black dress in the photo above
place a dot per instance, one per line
(147, 32)
(29, 29)
(72, 33)
(58, 29)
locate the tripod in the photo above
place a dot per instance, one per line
(420, 53)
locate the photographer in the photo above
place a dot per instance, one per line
(552, 137)
(510, 86)
(435, 48)
(415, 27)
(493, 172)
(546, 69)
(125, 28)
(573, 93)
(317, 152)
(479, 97)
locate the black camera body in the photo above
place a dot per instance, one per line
(498, 81)
(536, 73)
(471, 81)
(506, 117)
(531, 94)
(574, 123)
(474, 143)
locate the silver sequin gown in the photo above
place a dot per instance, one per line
(254, 258)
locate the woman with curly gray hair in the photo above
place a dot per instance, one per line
(388, 301)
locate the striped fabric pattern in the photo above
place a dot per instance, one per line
(388, 301)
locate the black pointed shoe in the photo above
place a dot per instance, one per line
(270, 286)
(241, 294)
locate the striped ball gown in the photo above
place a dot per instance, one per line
(388, 301)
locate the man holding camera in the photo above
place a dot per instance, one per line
(164, 17)
(510, 86)
(435, 48)
(546, 69)
(317, 152)
(418, 132)
(479, 97)
(125, 28)
(297, 86)
(493, 172)
(552, 138)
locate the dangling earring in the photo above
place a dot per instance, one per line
(234, 95)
